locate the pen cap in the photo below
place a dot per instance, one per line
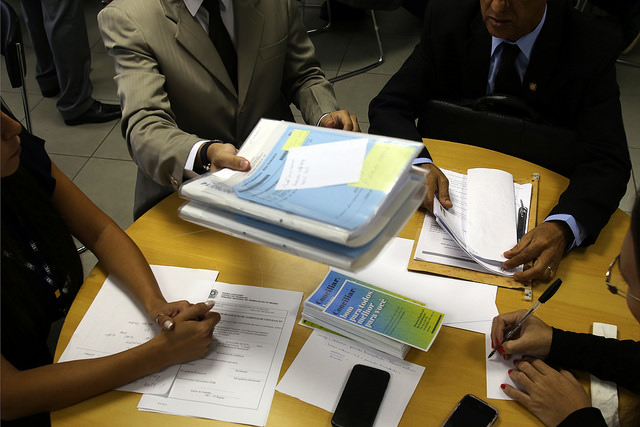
(551, 290)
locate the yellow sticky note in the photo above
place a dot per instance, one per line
(382, 166)
(296, 139)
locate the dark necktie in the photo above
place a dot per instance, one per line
(221, 40)
(507, 78)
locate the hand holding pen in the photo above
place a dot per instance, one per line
(526, 333)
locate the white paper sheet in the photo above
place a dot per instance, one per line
(236, 381)
(490, 237)
(114, 322)
(323, 165)
(467, 305)
(321, 369)
(497, 369)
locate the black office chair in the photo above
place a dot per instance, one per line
(623, 15)
(13, 52)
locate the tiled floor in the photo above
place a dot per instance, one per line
(96, 157)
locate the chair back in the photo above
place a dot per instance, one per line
(11, 39)
(504, 124)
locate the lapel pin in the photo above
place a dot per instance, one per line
(533, 87)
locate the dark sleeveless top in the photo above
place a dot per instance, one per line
(41, 270)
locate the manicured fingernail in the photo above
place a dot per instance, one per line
(244, 164)
(509, 371)
(210, 303)
(516, 361)
(168, 324)
(500, 350)
(492, 344)
(503, 386)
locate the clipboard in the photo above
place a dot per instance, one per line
(476, 276)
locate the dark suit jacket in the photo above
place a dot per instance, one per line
(570, 82)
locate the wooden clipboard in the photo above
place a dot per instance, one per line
(476, 276)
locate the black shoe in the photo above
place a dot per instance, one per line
(97, 113)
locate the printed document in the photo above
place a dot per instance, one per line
(236, 381)
(480, 226)
(320, 371)
(114, 322)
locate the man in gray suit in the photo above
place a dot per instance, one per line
(182, 110)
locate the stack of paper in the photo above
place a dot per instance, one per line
(329, 195)
(371, 315)
(482, 220)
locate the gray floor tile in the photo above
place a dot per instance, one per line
(110, 185)
(354, 94)
(635, 164)
(81, 140)
(626, 204)
(114, 146)
(363, 50)
(69, 165)
(628, 79)
(631, 115)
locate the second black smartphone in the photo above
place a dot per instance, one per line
(361, 397)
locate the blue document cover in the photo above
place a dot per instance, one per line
(348, 205)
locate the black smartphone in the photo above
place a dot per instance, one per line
(471, 412)
(361, 397)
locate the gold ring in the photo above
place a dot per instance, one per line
(550, 270)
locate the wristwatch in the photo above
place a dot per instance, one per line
(204, 160)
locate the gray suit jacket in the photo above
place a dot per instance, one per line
(175, 91)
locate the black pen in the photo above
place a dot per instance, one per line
(543, 298)
(522, 221)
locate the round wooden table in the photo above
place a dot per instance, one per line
(455, 364)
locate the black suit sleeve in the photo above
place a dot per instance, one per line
(393, 112)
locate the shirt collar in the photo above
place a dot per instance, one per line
(525, 43)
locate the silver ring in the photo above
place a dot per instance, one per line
(550, 270)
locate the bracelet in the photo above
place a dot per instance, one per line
(204, 160)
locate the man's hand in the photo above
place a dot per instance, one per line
(340, 119)
(545, 245)
(550, 395)
(437, 183)
(223, 155)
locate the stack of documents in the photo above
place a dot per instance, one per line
(482, 221)
(372, 316)
(329, 195)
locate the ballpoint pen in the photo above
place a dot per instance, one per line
(522, 217)
(551, 290)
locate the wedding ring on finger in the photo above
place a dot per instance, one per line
(549, 271)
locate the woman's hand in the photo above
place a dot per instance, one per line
(164, 312)
(533, 338)
(191, 335)
(550, 395)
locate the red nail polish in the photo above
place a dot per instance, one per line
(500, 350)
(509, 371)
(516, 361)
(492, 345)
(503, 386)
